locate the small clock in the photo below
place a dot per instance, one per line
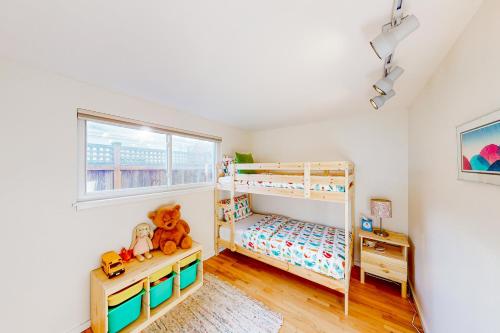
(366, 224)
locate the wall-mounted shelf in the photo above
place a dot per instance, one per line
(101, 287)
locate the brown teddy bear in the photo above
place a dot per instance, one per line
(171, 231)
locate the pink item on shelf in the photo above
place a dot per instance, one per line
(141, 246)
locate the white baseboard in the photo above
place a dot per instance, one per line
(80, 328)
(419, 307)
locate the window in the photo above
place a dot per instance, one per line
(122, 158)
(192, 160)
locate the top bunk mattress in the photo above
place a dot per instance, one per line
(292, 186)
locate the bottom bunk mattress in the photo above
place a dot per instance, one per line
(313, 246)
(240, 227)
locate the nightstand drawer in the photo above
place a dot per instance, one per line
(381, 262)
(384, 272)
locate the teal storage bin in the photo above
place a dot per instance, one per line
(162, 291)
(124, 314)
(188, 274)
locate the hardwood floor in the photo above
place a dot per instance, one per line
(375, 306)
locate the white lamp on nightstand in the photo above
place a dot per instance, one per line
(381, 208)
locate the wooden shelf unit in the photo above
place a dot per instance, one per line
(392, 264)
(101, 287)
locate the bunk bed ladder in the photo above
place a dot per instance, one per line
(231, 211)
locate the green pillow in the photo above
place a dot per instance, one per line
(244, 158)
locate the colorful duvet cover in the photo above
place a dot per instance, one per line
(313, 246)
(294, 186)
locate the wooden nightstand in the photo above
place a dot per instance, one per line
(392, 264)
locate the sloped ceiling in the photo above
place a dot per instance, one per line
(252, 64)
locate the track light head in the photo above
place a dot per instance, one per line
(385, 43)
(379, 101)
(384, 85)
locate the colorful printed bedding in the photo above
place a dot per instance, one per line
(295, 186)
(313, 246)
(257, 236)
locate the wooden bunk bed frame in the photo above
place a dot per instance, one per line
(306, 173)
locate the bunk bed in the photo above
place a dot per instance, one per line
(324, 181)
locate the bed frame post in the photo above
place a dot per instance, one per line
(353, 210)
(216, 220)
(231, 204)
(347, 273)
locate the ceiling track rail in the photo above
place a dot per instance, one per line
(397, 15)
(384, 45)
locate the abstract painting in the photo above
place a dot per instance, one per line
(479, 149)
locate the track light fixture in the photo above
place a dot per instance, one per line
(379, 101)
(383, 86)
(384, 46)
(385, 43)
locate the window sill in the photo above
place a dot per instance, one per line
(81, 205)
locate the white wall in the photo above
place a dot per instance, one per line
(375, 141)
(454, 225)
(47, 247)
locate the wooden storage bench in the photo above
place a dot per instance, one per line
(101, 287)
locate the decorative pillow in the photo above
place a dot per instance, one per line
(241, 208)
(244, 158)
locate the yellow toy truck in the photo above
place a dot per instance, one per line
(112, 264)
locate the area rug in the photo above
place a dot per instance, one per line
(218, 307)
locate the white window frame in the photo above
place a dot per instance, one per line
(83, 198)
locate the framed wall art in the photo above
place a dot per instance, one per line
(479, 149)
